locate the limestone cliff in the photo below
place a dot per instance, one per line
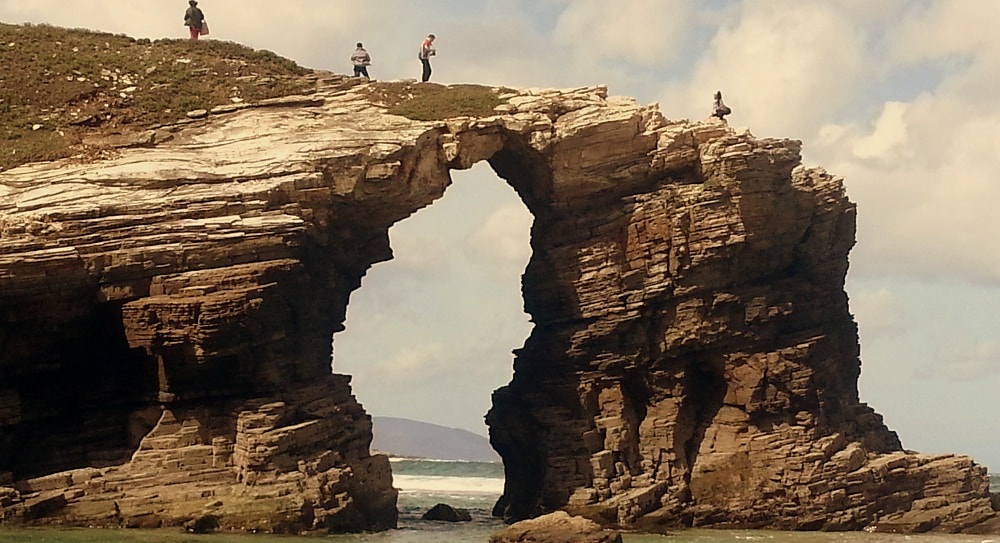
(166, 315)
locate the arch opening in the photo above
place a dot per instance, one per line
(430, 336)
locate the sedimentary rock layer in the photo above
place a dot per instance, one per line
(166, 318)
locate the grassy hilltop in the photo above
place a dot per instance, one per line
(61, 89)
(60, 85)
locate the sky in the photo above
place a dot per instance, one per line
(895, 96)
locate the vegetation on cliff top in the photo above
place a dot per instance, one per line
(59, 85)
(62, 90)
(433, 102)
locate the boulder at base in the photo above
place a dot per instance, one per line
(445, 512)
(558, 527)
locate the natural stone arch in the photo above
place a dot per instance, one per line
(693, 359)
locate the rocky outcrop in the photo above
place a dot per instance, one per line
(446, 513)
(276, 465)
(558, 527)
(166, 315)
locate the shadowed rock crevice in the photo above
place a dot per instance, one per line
(693, 359)
(702, 378)
(514, 435)
(102, 386)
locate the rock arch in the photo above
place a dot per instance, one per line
(693, 359)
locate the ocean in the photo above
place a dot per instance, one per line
(473, 486)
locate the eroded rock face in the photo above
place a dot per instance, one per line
(166, 315)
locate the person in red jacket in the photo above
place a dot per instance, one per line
(426, 52)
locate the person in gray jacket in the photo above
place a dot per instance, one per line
(361, 60)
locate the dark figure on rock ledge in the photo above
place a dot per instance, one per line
(719, 108)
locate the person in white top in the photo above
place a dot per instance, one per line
(361, 60)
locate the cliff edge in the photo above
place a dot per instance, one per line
(166, 313)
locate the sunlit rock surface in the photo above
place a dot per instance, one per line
(166, 315)
(558, 527)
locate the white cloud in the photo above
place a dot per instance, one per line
(500, 246)
(923, 170)
(964, 362)
(868, 12)
(641, 32)
(878, 312)
(888, 135)
(419, 253)
(785, 67)
(415, 362)
(924, 176)
(946, 27)
(499, 50)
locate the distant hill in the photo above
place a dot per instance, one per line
(405, 437)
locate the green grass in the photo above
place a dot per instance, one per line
(433, 102)
(59, 85)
